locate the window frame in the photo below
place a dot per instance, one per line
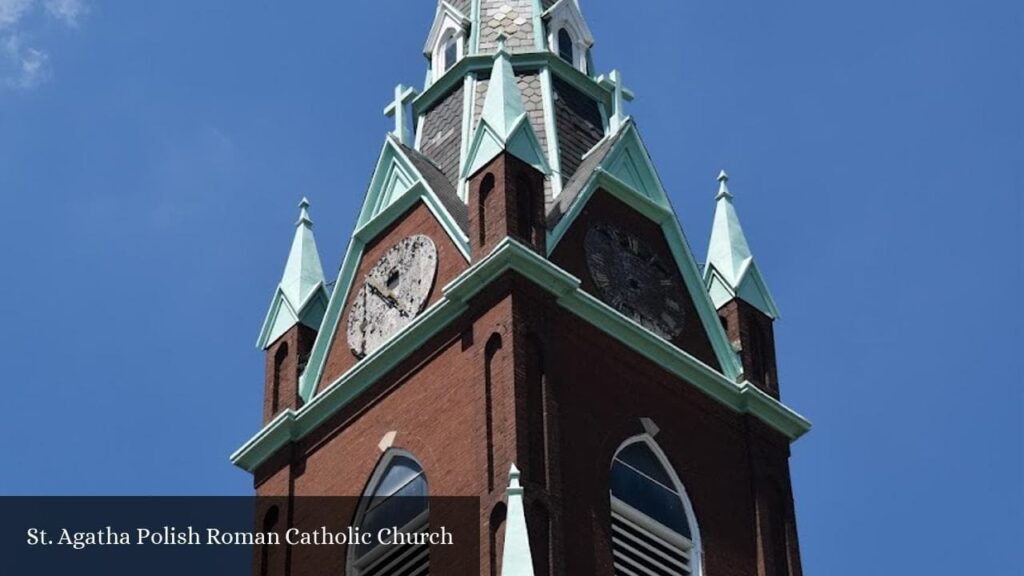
(572, 45)
(438, 63)
(565, 15)
(691, 547)
(579, 47)
(356, 566)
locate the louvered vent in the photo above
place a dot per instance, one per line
(408, 560)
(640, 550)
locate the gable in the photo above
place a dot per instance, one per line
(594, 174)
(751, 289)
(521, 142)
(418, 219)
(397, 180)
(283, 314)
(629, 162)
(625, 168)
(570, 255)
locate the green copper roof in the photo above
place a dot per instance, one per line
(731, 271)
(504, 124)
(303, 272)
(504, 102)
(300, 296)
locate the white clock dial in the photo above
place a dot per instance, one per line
(392, 294)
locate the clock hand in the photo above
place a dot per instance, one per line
(386, 297)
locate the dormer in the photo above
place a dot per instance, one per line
(446, 43)
(568, 33)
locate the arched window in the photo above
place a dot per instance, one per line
(568, 35)
(447, 52)
(397, 497)
(486, 187)
(653, 528)
(490, 351)
(275, 393)
(566, 48)
(759, 360)
(451, 52)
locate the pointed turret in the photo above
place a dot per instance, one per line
(293, 320)
(731, 271)
(740, 294)
(301, 296)
(504, 123)
(516, 559)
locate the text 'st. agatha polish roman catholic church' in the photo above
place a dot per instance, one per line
(519, 318)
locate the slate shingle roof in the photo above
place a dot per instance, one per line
(575, 184)
(441, 186)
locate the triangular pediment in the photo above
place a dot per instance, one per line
(403, 172)
(397, 181)
(394, 176)
(284, 314)
(629, 162)
(753, 289)
(522, 142)
(718, 288)
(626, 173)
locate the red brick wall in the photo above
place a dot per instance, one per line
(513, 207)
(756, 335)
(285, 359)
(594, 392)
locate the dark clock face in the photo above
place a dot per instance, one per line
(632, 279)
(393, 293)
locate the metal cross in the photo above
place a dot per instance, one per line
(621, 94)
(403, 95)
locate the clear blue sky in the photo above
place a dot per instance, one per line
(152, 155)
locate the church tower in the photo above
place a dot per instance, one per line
(520, 319)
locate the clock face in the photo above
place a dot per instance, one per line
(393, 293)
(632, 279)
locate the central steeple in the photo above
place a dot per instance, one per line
(538, 53)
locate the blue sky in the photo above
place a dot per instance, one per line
(152, 155)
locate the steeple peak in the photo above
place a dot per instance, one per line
(503, 105)
(302, 272)
(730, 271)
(301, 296)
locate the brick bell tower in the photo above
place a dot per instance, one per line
(519, 318)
